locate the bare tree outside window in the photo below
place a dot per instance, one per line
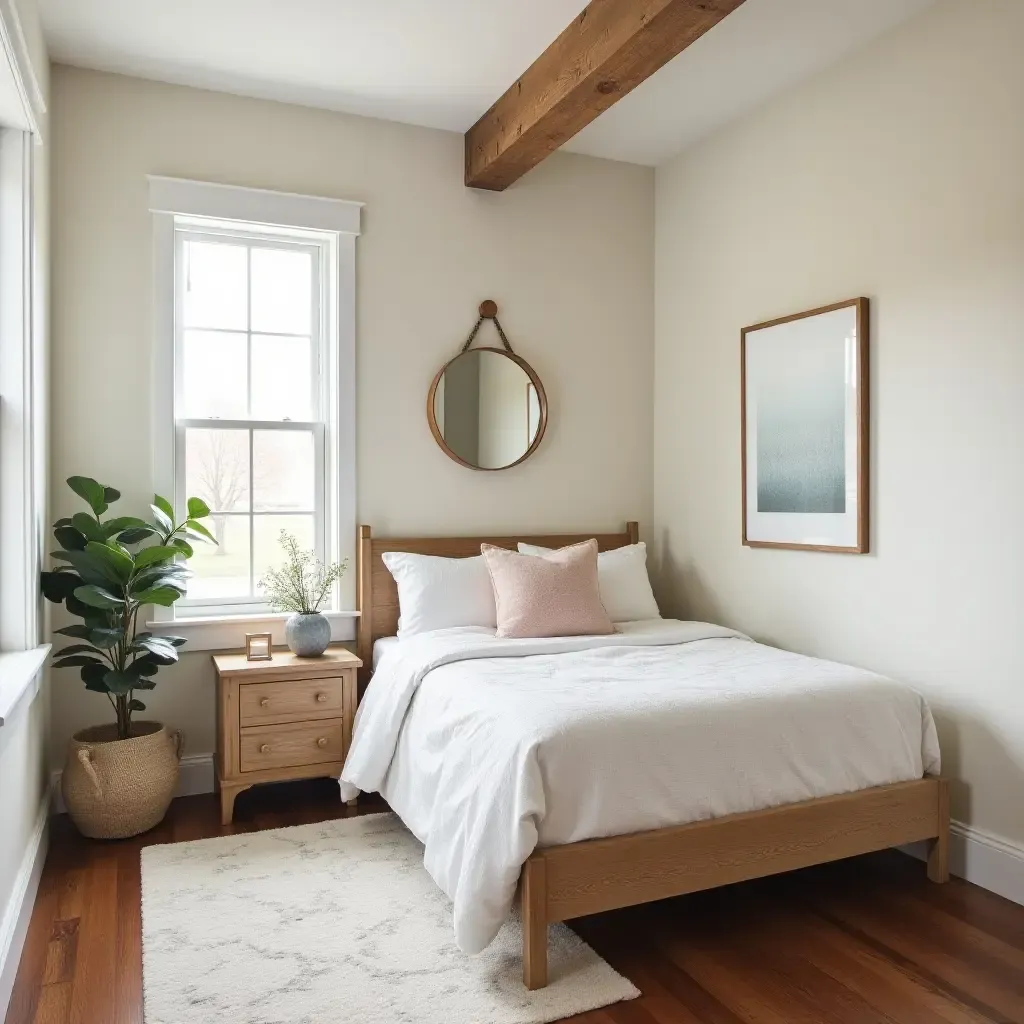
(221, 476)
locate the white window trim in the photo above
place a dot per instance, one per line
(170, 197)
(21, 499)
(17, 63)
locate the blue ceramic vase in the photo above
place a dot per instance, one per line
(307, 635)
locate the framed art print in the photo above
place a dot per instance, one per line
(804, 424)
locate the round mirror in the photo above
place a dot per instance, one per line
(487, 409)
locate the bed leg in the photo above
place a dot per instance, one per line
(938, 853)
(535, 924)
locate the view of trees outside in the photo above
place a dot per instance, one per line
(247, 349)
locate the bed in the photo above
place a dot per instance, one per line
(417, 731)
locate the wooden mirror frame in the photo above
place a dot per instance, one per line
(488, 311)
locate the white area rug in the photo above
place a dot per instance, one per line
(335, 922)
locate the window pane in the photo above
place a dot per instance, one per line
(215, 369)
(283, 467)
(222, 571)
(216, 287)
(282, 384)
(282, 295)
(267, 540)
(217, 468)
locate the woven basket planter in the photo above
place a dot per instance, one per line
(118, 788)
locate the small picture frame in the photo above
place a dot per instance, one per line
(257, 647)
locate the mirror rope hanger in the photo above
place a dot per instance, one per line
(488, 311)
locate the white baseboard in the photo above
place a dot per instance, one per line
(196, 776)
(988, 860)
(15, 917)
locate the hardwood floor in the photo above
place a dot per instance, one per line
(862, 941)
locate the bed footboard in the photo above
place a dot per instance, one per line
(562, 882)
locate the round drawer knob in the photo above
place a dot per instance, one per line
(322, 742)
(265, 703)
(265, 748)
(321, 698)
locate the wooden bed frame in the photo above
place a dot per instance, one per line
(562, 882)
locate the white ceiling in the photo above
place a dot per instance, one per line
(441, 63)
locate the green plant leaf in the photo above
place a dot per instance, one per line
(175, 574)
(158, 581)
(145, 684)
(197, 508)
(157, 553)
(93, 493)
(92, 569)
(162, 657)
(163, 520)
(97, 619)
(162, 652)
(163, 596)
(70, 538)
(105, 638)
(97, 597)
(183, 546)
(176, 570)
(136, 705)
(85, 524)
(110, 495)
(177, 641)
(76, 649)
(115, 526)
(199, 532)
(77, 630)
(76, 607)
(119, 564)
(58, 586)
(119, 683)
(135, 534)
(92, 676)
(144, 667)
(77, 660)
(164, 505)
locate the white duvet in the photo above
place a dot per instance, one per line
(487, 748)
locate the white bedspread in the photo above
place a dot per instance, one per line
(487, 748)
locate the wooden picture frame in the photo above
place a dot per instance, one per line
(259, 647)
(804, 430)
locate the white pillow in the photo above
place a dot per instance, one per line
(622, 576)
(438, 593)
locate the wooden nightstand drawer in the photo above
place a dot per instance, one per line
(282, 719)
(290, 700)
(287, 746)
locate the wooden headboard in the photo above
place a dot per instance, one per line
(377, 594)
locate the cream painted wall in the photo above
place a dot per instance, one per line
(566, 254)
(896, 175)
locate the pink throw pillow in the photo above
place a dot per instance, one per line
(556, 594)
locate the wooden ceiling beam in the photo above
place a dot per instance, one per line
(607, 51)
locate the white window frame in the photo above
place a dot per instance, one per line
(264, 218)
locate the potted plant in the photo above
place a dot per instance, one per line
(119, 778)
(301, 586)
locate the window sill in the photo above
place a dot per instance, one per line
(20, 672)
(227, 632)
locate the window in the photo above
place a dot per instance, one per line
(250, 424)
(258, 420)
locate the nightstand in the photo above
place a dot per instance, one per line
(289, 718)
